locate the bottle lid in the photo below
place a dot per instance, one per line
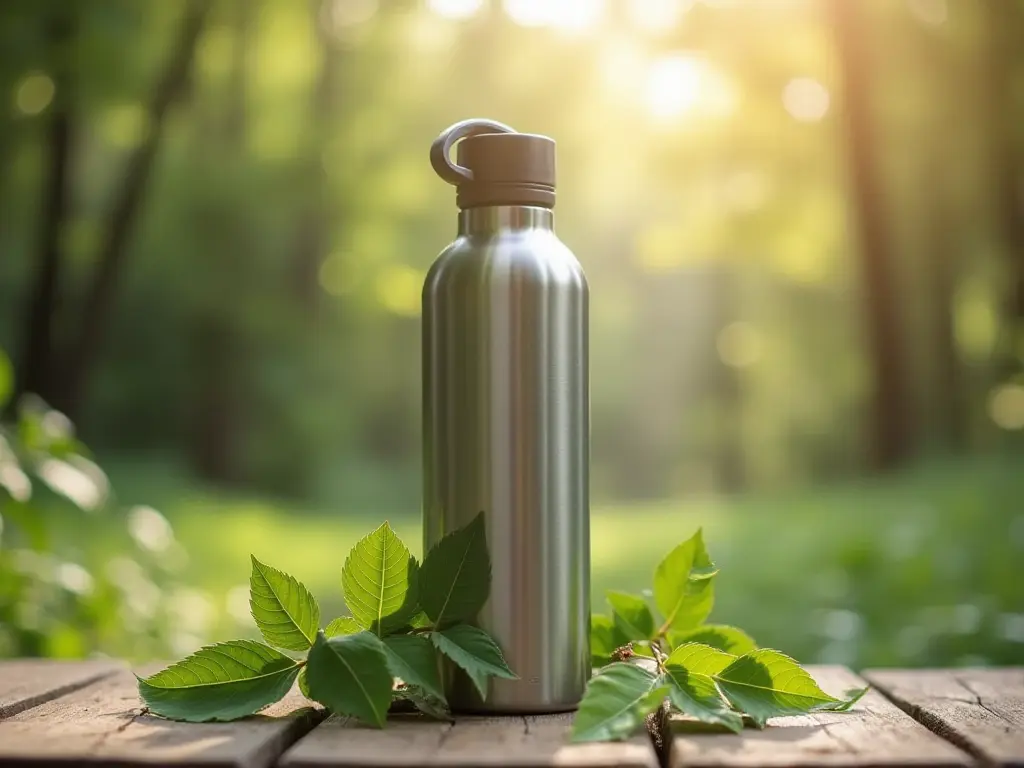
(496, 165)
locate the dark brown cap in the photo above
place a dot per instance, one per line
(496, 165)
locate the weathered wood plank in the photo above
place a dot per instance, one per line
(29, 682)
(410, 741)
(103, 723)
(979, 710)
(875, 733)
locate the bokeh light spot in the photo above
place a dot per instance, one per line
(805, 99)
(575, 15)
(934, 12)
(34, 93)
(150, 530)
(673, 86)
(344, 14)
(336, 275)
(654, 16)
(126, 125)
(398, 290)
(455, 9)
(527, 13)
(1006, 406)
(739, 345)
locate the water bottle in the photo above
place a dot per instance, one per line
(506, 415)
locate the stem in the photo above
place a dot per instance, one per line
(659, 655)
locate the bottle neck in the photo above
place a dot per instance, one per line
(491, 219)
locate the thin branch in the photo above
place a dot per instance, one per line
(36, 368)
(125, 206)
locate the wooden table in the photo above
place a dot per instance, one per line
(88, 713)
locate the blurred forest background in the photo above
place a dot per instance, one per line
(803, 226)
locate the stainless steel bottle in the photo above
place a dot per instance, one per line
(506, 416)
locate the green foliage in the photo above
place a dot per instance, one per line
(456, 575)
(605, 638)
(380, 582)
(720, 636)
(6, 379)
(689, 672)
(59, 596)
(349, 675)
(631, 615)
(431, 706)
(683, 589)
(343, 625)
(220, 682)
(766, 683)
(411, 658)
(618, 701)
(351, 667)
(283, 609)
(714, 674)
(475, 651)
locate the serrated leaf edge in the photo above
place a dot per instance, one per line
(297, 664)
(462, 563)
(260, 566)
(379, 717)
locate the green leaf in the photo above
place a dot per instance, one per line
(605, 638)
(683, 588)
(724, 638)
(688, 673)
(285, 612)
(420, 621)
(632, 615)
(304, 684)
(343, 625)
(6, 378)
(411, 658)
(349, 675)
(455, 580)
(616, 703)
(380, 582)
(699, 659)
(850, 697)
(475, 651)
(429, 705)
(767, 683)
(224, 682)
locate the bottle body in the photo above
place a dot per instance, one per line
(506, 431)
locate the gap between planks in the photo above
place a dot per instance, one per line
(874, 733)
(27, 683)
(532, 741)
(104, 723)
(979, 710)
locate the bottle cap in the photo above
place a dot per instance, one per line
(495, 165)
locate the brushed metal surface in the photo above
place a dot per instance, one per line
(506, 422)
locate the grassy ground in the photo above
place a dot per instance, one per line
(922, 569)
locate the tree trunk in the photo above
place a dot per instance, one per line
(312, 235)
(218, 402)
(889, 429)
(942, 238)
(1004, 30)
(128, 199)
(942, 226)
(36, 364)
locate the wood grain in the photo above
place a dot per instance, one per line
(409, 741)
(104, 724)
(979, 710)
(27, 683)
(874, 733)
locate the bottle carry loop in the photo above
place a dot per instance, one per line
(440, 150)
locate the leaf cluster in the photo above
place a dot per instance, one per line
(667, 656)
(404, 617)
